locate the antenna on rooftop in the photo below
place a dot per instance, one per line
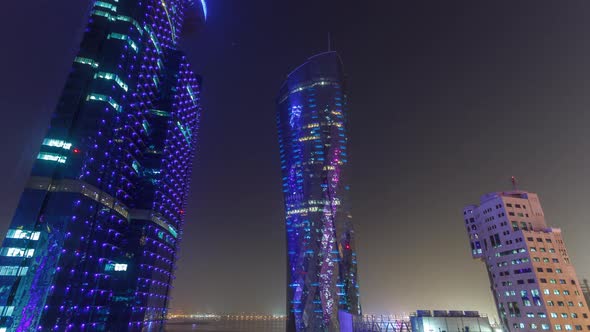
(329, 42)
(514, 183)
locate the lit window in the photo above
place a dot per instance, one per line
(6, 311)
(13, 270)
(130, 20)
(17, 252)
(111, 76)
(108, 99)
(115, 267)
(86, 61)
(114, 35)
(105, 5)
(20, 234)
(57, 143)
(52, 157)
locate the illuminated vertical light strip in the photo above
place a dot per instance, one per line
(173, 30)
(204, 5)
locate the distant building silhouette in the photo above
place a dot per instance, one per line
(322, 288)
(532, 279)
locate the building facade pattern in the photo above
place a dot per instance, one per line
(322, 274)
(93, 243)
(532, 279)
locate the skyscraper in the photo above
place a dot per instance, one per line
(322, 288)
(92, 245)
(531, 276)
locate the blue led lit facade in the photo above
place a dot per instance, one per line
(323, 292)
(92, 245)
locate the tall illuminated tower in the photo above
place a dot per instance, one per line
(532, 278)
(92, 245)
(322, 288)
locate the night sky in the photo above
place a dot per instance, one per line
(448, 100)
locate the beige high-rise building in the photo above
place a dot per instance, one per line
(532, 278)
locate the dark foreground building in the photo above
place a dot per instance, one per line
(323, 292)
(92, 245)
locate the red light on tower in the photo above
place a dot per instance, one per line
(76, 150)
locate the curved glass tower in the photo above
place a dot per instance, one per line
(92, 245)
(323, 292)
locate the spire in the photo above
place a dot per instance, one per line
(514, 183)
(329, 42)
